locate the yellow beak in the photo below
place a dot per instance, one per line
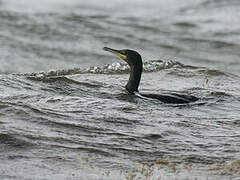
(116, 52)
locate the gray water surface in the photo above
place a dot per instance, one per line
(64, 112)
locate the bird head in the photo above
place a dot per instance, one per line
(133, 58)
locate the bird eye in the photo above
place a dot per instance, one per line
(123, 52)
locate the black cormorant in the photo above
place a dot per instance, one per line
(134, 60)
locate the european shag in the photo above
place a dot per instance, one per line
(134, 60)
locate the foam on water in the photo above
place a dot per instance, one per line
(115, 68)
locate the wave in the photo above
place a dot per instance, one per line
(179, 69)
(115, 68)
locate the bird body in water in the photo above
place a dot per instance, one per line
(134, 60)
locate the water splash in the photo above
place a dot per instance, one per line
(115, 68)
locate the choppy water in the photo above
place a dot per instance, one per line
(64, 113)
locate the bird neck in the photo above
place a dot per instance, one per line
(134, 79)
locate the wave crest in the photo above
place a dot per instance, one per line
(115, 68)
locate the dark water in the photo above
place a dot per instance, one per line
(64, 113)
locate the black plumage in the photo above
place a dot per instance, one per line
(134, 60)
